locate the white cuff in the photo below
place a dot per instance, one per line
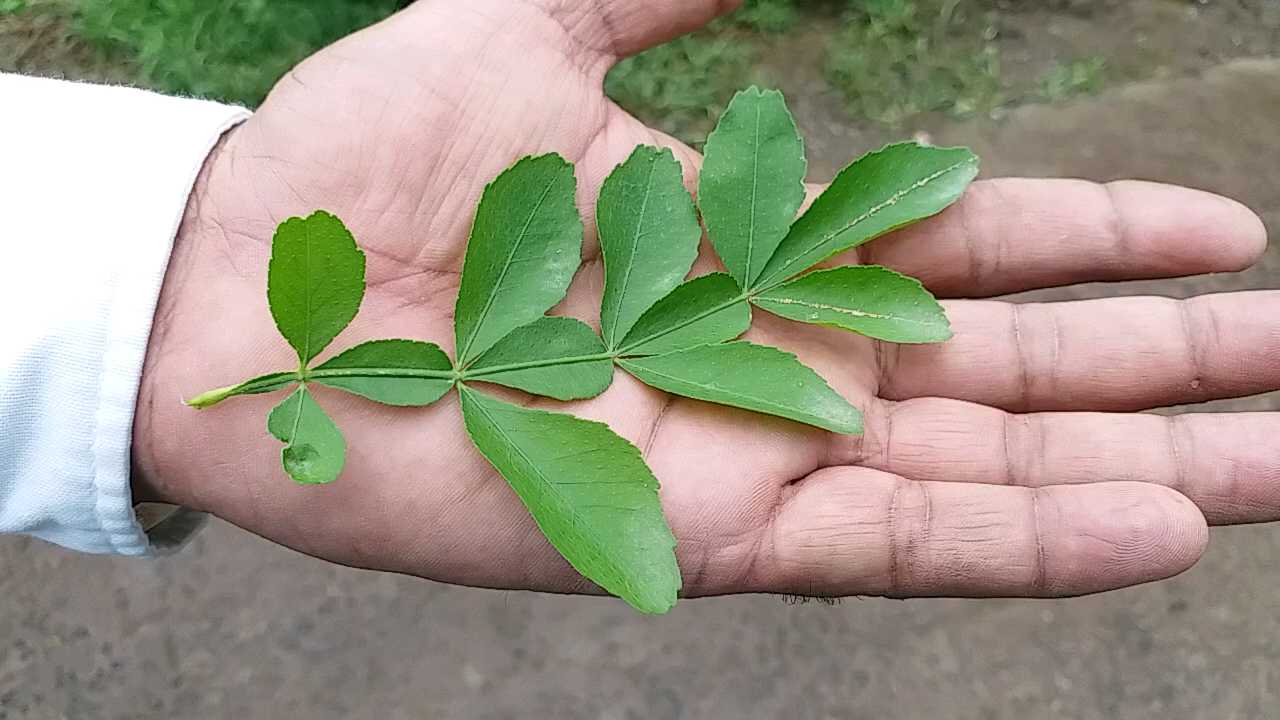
(93, 184)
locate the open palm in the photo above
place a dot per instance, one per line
(980, 472)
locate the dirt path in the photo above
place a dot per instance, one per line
(1141, 40)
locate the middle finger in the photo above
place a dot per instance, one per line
(1113, 354)
(1227, 464)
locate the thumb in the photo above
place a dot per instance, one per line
(619, 28)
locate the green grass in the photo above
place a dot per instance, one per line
(231, 51)
(768, 16)
(892, 61)
(1085, 76)
(683, 86)
(896, 60)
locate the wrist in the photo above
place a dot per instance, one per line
(153, 480)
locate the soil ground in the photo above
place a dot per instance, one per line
(236, 627)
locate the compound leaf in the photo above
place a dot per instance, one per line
(314, 451)
(315, 281)
(706, 309)
(649, 237)
(588, 490)
(867, 299)
(525, 245)
(752, 181)
(392, 372)
(751, 377)
(558, 357)
(879, 192)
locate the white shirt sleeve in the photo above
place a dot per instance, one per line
(93, 184)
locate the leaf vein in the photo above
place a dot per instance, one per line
(755, 182)
(636, 237)
(876, 209)
(843, 310)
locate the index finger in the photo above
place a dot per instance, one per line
(1010, 235)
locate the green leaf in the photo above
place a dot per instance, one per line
(258, 385)
(649, 237)
(752, 181)
(588, 490)
(525, 245)
(878, 193)
(314, 450)
(867, 299)
(393, 372)
(315, 281)
(752, 377)
(558, 357)
(707, 309)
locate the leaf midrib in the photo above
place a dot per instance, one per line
(631, 251)
(842, 310)
(297, 417)
(717, 389)
(306, 263)
(748, 275)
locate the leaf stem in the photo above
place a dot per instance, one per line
(480, 373)
(209, 398)
(382, 372)
(270, 382)
(265, 383)
(213, 397)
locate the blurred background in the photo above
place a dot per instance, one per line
(1170, 90)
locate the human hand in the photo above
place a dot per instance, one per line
(980, 473)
